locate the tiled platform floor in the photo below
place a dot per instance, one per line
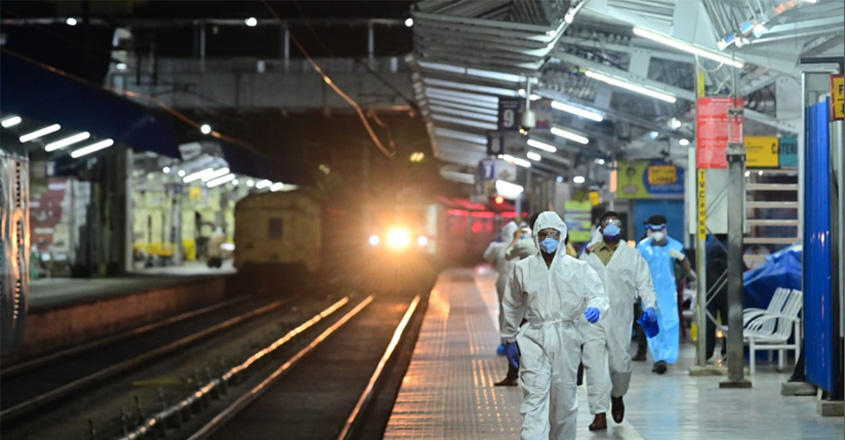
(448, 393)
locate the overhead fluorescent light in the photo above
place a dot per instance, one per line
(570, 135)
(250, 183)
(214, 174)
(263, 184)
(683, 142)
(542, 146)
(687, 47)
(522, 162)
(92, 148)
(40, 132)
(578, 180)
(277, 186)
(508, 190)
(533, 156)
(534, 97)
(586, 114)
(198, 175)
(11, 121)
(220, 180)
(70, 140)
(632, 87)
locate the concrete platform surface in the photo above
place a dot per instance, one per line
(448, 390)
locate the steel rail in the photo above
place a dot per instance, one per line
(17, 368)
(30, 405)
(366, 397)
(238, 405)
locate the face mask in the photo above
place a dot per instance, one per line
(612, 232)
(658, 236)
(549, 245)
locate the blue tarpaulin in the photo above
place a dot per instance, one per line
(782, 269)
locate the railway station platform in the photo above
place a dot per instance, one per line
(448, 390)
(64, 312)
(55, 293)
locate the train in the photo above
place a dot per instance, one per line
(293, 236)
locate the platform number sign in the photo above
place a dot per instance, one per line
(510, 113)
(495, 143)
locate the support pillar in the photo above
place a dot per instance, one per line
(736, 200)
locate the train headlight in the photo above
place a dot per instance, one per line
(422, 241)
(374, 240)
(398, 238)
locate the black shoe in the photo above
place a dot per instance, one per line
(640, 357)
(617, 409)
(507, 382)
(599, 422)
(659, 367)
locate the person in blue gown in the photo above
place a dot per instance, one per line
(661, 252)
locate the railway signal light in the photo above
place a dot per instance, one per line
(499, 200)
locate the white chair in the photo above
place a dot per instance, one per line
(770, 329)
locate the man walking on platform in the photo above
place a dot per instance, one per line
(551, 291)
(606, 359)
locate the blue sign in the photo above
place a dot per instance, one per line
(488, 169)
(788, 152)
(510, 113)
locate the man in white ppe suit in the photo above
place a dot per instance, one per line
(552, 291)
(495, 254)
(607, 362)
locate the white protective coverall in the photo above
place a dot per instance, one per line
(495, 254)
(552, 300)
(606, 343)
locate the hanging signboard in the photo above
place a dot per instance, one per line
(495, 144)
(642, 179)
(762, 152)
(837, 97)
(510, 113)
(712, 132)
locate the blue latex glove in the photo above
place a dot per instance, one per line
(592, 314)
(512, 352)
(650, 314)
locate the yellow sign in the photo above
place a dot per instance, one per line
(762, 152)
(195, 193)
(702, 84)
(702, 205)
(594, 198)
(837, 97)
(662, 174)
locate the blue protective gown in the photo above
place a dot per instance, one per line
(665, 346)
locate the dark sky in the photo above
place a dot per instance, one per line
(208, 9)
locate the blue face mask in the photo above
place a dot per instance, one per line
(549, 245)
(612, 232)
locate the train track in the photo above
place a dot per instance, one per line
(339, 380)
(210, 401)
(35, 384)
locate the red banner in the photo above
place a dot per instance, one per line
(712, 131)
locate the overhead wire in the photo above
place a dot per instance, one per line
(389, 152)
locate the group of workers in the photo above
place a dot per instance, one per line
(559, 312)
